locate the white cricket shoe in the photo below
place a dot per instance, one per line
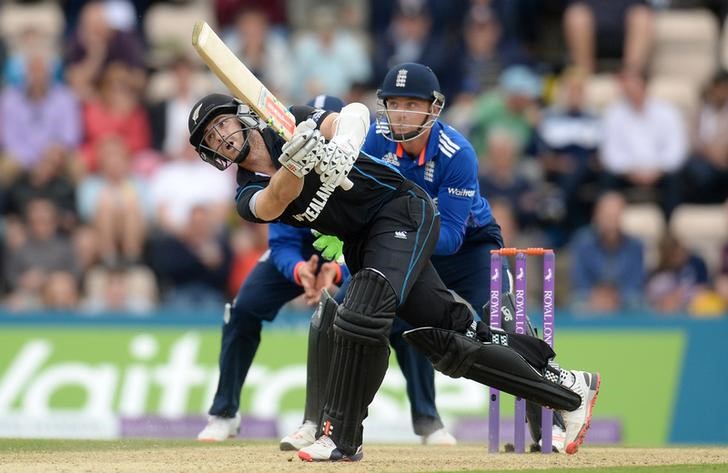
(220, 428)
(439, 437)
(325, 450)
(304, 436)
(577, 422)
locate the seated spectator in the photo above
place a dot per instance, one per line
(513, 106)
(120, 288)
(705, 176)
(37, 115)
(568, 138)
(501, 178)
(185, 182)
(225, 10)
(168, 117)
(265, 51)
(40, 253)
(114, 202)
(48, 180)
(644, 144)
(411, 37)
(614, 29)
(60, 292)
(95, 45)
(607, 269)
(249, 242)
(680, 276)
(721, 280)
(117, 111)
(328, 59)
(31, 42)
(481, 62)
(193, 267)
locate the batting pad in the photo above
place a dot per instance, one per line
(497, 366)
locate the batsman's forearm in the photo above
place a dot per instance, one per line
(283, 189)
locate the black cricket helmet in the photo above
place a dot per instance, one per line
(204, 112)
(411, 80)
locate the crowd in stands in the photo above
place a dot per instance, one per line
(591, 139)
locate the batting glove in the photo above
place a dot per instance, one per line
(304, 149)
(337, 161)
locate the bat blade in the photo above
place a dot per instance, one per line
(243, 84)
(240, 80)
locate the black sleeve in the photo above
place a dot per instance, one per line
(244, 193)
(304, 112)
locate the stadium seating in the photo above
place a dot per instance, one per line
(647, 223)
(42, 16)
(702, 228)
(686, 45)
(168, 27)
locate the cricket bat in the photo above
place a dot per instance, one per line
(243, 84)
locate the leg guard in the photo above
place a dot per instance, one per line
(320, 348)
(360, 357)
(496, 365)
(508, 324)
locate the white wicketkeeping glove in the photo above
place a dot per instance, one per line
(336, 163)
(304, 149)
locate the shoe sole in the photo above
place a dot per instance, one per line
(289, 447)
(211, 440)
(573, 447)
(304, 456)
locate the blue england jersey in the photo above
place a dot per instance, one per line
(448, 170)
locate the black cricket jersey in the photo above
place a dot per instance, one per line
(329, 210)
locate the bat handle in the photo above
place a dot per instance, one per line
(347, 184)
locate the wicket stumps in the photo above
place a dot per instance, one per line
(520, 293)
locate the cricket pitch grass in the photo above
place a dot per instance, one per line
(151, 456)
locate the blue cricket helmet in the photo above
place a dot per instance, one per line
(411, 79)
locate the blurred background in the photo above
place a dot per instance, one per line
(601, 128)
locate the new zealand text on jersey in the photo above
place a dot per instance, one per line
(317, 204)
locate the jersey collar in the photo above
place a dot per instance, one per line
(429, 152)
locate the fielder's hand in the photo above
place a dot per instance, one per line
(336, 163)
(302, 152)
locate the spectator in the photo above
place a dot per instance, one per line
(607, 269)
(193, 267)
(37, 115)
(225, 10)
(721, 280)
(568, 138)
(48, 179)
(120, 288)
(328, 60)
(60, 292)
(95, 45)
(114, 201)
(514, 107)
(481, 62)
(644, 144)
(117, 111)
(410, 38)
(31, 42)
(184, 183)
(263, 50)
(680, 276)
(249, 243)
(501, 178)
(168, 117)
(615, 29)
(42, 253)
(705, 176)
